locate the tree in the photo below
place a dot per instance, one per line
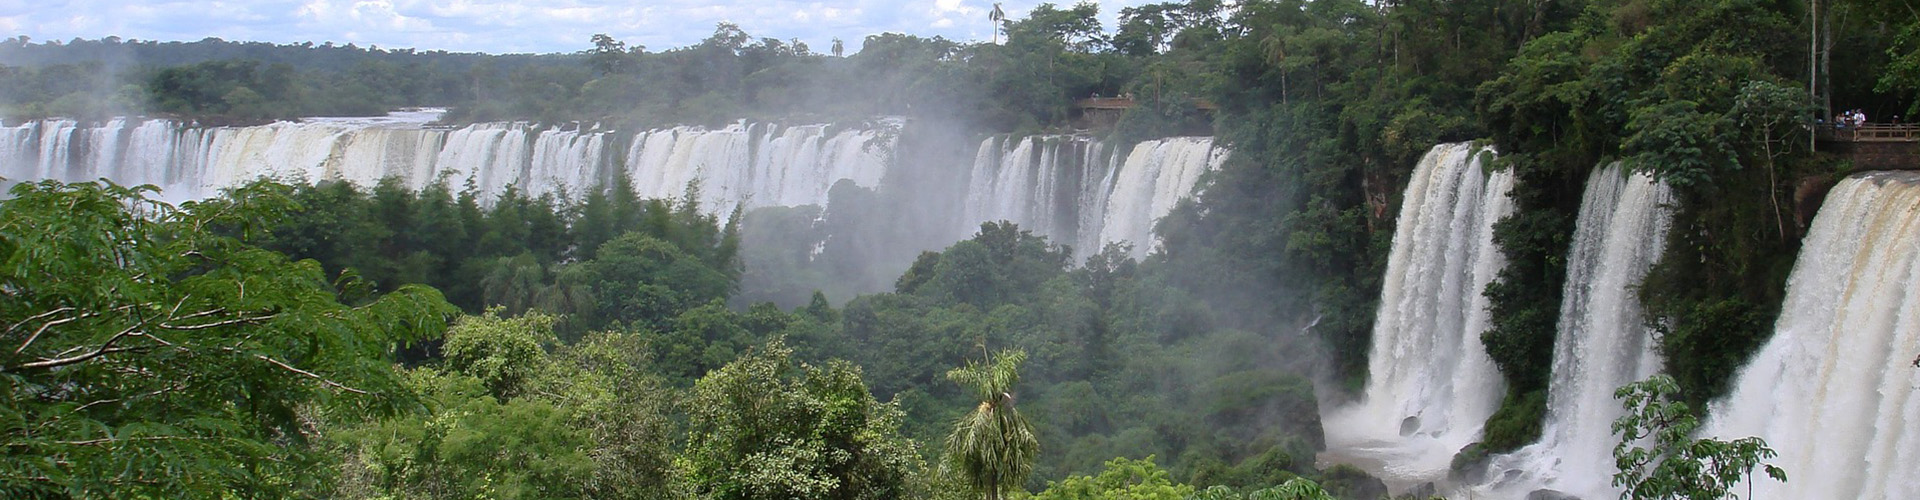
(148, 356)
(587, 421)
(1294, 489)
(467, 444)
(996, 16)
(608, 56)
(1772, 115)
(1677, 466)
(764, 427)
(992, 447)
(1123, 479)
(506, 354)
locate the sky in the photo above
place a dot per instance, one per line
(497, 26)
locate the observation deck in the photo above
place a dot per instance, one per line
(1104, 112)
(1875, 146)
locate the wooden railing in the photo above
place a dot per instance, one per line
(1872, 132)
(1105, 103)
(1127, 102)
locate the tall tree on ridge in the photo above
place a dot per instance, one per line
(993, 446)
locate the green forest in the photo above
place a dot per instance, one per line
(333, 341)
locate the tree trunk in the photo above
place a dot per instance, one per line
(1826, 61)
(1813, 69)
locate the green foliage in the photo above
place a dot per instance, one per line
(468, 444)
(1001, 264)
(1675, 465)
(765, 427)
(638, 277)
(1516, 423)
(1692, 92)
(1903, 74)
(1712, 340)
(1122, 362)
(504, 354)
(609, 259)
(150, 357)
(590, 420)
(1122, 479)
(1680, 144)
(1293, 489)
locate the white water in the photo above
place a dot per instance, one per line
(1833, 390)
(1603, 341)
(1431, 385)
(756, 165)
(1154, 178)
(1077, 191)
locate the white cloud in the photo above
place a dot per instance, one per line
(503, 25)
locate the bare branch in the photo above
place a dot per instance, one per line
(36, 317)
(83, 407)
(218, 324)
(309, 374)
(43, 329)
(104, 349)
(201, 314)
(100, 441)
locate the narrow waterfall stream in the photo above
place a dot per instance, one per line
(1431, 385)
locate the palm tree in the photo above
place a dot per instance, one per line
(1275, 47)
(993, 446)
(996, 16)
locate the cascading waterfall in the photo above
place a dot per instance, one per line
(1602, 342)
(1155, 177)
(1431, 385)
(1042, 183)
(1060, 186)
(1833, 390)
(757, 165)
(1076, 190)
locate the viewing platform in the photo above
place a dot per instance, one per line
(1875, 146)
(1104, 112)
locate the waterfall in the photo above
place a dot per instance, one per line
(757, 165)
(1042, 183)
(1833, 390)
(1431, 385)
(754, 165)
(1155, 177)
(1075, 190)
(1602, 341)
